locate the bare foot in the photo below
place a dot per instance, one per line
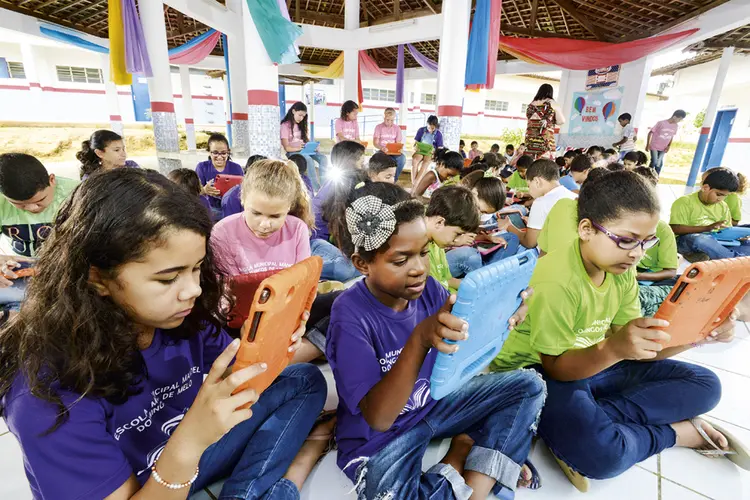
(688, 436)
(457, 453)
(310, 453)
(524, 480)
(743, 309)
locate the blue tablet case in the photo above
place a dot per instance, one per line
(730, 235)
(487, 298)
(309, 148)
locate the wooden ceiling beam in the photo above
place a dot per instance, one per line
(534, 9)
(55, 20)
(429, 5)
(724, 45)
(318, 17)
(409, 14)
(40, 7)
(666, 27)
(517, 30)
(567, 6)
(186, 32)
(65, 7)
(396, 8)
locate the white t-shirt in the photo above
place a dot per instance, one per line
(627, 133)
(542, 206)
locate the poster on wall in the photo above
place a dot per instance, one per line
(595, 113)
(602, 78)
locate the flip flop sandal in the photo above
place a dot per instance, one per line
(535, 484)
(580, 482)
(737, 453)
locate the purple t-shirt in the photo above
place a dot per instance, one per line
(321, 226)
(364, 340)
(100, 445)
(206, 172)
(663, 132)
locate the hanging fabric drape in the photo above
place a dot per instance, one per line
(400, 75)
(118, 69)
(370, 66)
(493, 42)
(285, 12)
(59, 34)
(277, 33)
(585, 54)
(333, 71)
(136, 53)
(367, 65)
(195, 50)
(422, 59)
(479, 37)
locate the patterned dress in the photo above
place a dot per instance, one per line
(540, 130)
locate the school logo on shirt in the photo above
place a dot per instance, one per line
(420, 396)
(586, 337)
(27, 239)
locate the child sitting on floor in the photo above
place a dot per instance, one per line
(385, 334)
(121, 340)
(517, 181)
(346, 126)
(614, 398)
(431, 135)
(734, 200)
(695, 216)
(219, 162)
(630, 160)
(449, 164)
(474, 150)
(544, 186)
(389, 132)
(462, 148)
(231, 202)
(382, 168)
(189, 181)
(579, 170)
(495, 148)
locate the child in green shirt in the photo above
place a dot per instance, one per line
(696, 215)
(29, 203)
(452, 211)
(607, 409)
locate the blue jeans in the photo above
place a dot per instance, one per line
(255, 455)
(12, 296)
(463, 260)
(603, 425)
(336, 266)
(657, 160)
(498, 411)
(400, 164)
(705, 243)
(316, 175)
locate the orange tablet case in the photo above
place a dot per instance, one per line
(467, 162)
(394, 148)
(22, 273)
(276, 312)
(706, 291)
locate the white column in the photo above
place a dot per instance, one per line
(351, 75)
(710, 117)
(635, 87)
(113, 101)
(454, 45)
(262, 93)
(238, 91)
(160, 86)
(187, 107)
(351, 15)
(562, 99)
(403, 109)
(311, 109)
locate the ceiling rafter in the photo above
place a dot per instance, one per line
(567, 6)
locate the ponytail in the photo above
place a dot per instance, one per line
(90, 162)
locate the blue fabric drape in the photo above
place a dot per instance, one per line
(476, 59)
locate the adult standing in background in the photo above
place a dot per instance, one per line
(543, 115)
(660, 138)
(294, 136)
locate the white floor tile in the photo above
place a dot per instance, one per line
(734, 406)
(716, 478)
(13, 483)
(327, 482)
(742, 331)
(201, 495)
(3, 426)
(651, 464)
(672, 491)
(732, 357)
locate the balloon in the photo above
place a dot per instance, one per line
(608, 110)
(579, 104)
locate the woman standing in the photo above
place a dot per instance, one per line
(544, 114)
(294, 136)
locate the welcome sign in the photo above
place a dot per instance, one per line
(595, 113)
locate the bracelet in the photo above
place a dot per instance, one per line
(172, 486)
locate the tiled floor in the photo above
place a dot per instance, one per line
(676, 474)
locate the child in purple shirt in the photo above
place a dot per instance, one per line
(383, 339)
(218, 163)
(102, 378)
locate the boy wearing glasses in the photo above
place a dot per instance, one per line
(614, 396)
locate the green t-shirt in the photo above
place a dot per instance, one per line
(23, 232)
(439, 268)
(567, 311)
(560, 227)
(664, 254)
(734, 202)
(689, 210)
(517, 183)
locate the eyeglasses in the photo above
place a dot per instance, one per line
(627, 243)
(219, 153)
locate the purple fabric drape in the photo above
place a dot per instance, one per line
(136, 54)
(400, 75)
(421, 59)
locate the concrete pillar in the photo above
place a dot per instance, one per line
(160, 86)
(187, 107)
(262, 93)
(403, 109)
(563, 99)
(452, 68)
(708, 121)
(637, 74)
(113, 101)
(30, 67)
(311, 110)
(227, 101)
(351, 75)
(238, 91)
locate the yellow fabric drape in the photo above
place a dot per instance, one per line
(117, 69)
(334, 70)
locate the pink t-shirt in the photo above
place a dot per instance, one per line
(662, 132)
(349, 129)
(473, 154)
(387, 135)
(294, 137)
(241, 252)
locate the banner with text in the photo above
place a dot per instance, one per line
(595, 112)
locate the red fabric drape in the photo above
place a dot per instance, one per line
(585, 54)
